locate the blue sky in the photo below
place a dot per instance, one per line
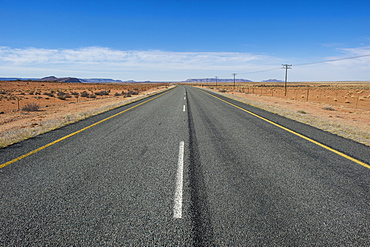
(180, 39)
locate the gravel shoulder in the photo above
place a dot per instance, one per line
(19, 126)
(349, 123)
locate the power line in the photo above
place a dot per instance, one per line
(252, 72)
(334, 60)
(302, 64)
(259, 71)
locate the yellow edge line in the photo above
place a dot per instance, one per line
(78, 131)
(295, 133)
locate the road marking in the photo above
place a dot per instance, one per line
(295, 133)
(76, 132)
(183, 109)
(177, 209)
(184, 98)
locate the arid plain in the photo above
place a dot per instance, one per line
(59, 104)
(342, 108)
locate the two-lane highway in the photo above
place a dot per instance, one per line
(262, 185)
(112, 184)
(185, 168)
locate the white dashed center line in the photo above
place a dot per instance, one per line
(177, 209)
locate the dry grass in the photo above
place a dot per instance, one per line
(23, 133)
(30, 107)
(350, 124)
(346, 94)
(14, 95)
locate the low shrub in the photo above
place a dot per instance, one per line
(133, 92)
(61, 95)
(49, 94)
(101, 93)
(30, 107)
(84, 94)
(328, 108)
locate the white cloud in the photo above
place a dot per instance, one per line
(354, 64)
(167, 65)
(105, 55)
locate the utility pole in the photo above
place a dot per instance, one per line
(216, 81)
(286, 67)
(234, 79)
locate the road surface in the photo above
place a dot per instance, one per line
(187, 168)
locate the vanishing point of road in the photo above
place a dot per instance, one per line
(185, 168)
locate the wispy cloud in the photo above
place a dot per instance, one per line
(353, 60)
(101, 55)
(357, 51)
(167, 65)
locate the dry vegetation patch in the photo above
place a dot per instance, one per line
(28, 109)
(341, 108)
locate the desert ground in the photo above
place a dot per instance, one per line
(59, 104)
(342, 108)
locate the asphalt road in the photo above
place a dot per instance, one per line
(185, 168)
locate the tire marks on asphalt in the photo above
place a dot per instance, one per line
(200, 212)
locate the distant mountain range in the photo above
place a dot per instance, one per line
(213, 80)
(99, 80)
(104, 80)
(272, 80)
(14, 79)
(218, 80)
(65, 79)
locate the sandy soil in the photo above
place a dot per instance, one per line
(325, 107)
(14, 95)
(347, 120)
(17, 125)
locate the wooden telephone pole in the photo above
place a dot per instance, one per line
(234, 79)
(286, 67)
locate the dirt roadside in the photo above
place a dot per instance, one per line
(20, 125)
(347, 122)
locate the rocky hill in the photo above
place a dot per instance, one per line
(73, 79)
(66, 79)
(272, 80)
(219, 80)
(100, 80)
